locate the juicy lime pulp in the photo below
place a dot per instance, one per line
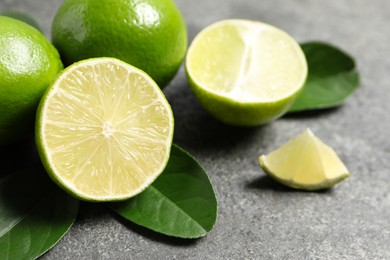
(305, 162)
(148, 34)
(104, 130)
(245, 72)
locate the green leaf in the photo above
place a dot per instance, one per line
(180, 203)
(34, 214)
(332, 77)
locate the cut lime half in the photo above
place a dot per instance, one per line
(305, 162)
(245, 72)
(104, 130)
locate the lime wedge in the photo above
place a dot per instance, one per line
(245, 72)
(305, 162)
(104, 130)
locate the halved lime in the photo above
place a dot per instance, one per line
(104, 130)
(245, 72)
(305, 162)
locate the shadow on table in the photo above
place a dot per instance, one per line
(214, 135)
(17, 156)
(196, 129)
(154, 236)
(92, 211)
(267, 183)
(312, 113)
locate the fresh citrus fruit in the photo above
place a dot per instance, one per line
(104, 130)
(28, 64)
(148, 34)
(245, 72)
(305, 162)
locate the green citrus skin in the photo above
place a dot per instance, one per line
(235, 113)
(147, 34)
(22, 17)
(28, 65)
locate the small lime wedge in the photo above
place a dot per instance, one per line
(245, 73)
(306, 163)
(104, 130)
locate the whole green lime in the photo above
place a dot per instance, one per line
(28, 64)
(147, 34)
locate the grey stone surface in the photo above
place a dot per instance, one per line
(258, 218)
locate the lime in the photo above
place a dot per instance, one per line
(28, 64)
(104, 130)
(306, 163)
(148, 34)
(245, 72)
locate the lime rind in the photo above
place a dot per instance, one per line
(22, 17)
(232, 112)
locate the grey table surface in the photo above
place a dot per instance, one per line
(258, 218)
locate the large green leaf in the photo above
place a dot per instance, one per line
(180, 203)
(332, 77)
(34, 214)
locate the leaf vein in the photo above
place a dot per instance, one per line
(180, 209)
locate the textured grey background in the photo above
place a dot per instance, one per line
(258, 218)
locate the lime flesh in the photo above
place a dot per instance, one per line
(104, 130)
(305, 162)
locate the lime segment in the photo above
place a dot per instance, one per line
(104, 130)
(305, 162)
